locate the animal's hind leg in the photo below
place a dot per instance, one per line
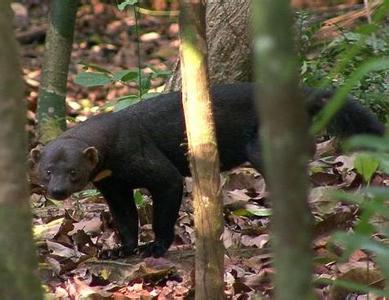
(253, 154)
(165, 183)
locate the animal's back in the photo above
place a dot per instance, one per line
(235, 120)
(160, 121)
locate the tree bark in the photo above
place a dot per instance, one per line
(203, 154)
(229, 46)
(52, 92)
(17, 253)
(285, 146)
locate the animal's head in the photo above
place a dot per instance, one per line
(65, 166)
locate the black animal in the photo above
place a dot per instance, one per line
(144, 146)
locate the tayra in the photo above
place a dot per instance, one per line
(144, 146)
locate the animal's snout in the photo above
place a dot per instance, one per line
(59, 193)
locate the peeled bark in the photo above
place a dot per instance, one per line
(285, 146)
(52, 92)
(17, 253)
(229, 44)
(203, 154)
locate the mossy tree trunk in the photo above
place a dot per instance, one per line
(203, 155)
(52, 92)
(285, 141)
(18, 278)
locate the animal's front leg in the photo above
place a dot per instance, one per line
(166, 205)
(120, 199)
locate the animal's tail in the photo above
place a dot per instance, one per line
(352, 118)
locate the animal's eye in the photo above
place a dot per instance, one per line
(48, 172)
(72, 172)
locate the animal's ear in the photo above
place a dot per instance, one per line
(35, 155)
(92, 155)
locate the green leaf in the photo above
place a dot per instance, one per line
(384, 161)
(252, 211)
(366, 165)
(379, 193)
(126, 101)
(259, 212)
(139, 200)
(345, 196)
(338, 100)
(126, 97)
(379, 249)
(368, 142)
(363, 226)
(150, 95)
(145, 83)
(160, 73)
(90, 79)
(126, 3)
(242, 212)
(356, 241)
(350, 286)
(95, 68)
(371, 200)
(126, 75)
(90, 193)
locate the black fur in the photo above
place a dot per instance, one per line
(145, 146)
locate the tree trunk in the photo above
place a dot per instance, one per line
(52, 92)
(285, 143)
(203, 155)
(229, 46)
(17, 252)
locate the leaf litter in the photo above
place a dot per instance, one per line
(70, 234)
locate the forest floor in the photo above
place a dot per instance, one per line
(69, 234)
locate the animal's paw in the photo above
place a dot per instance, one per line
(119, 252)
(155, 249)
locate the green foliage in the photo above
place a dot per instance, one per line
(91, 79)
(351, 286)
(100, 77)
(375, 64)
(372, 202)
(304, 31)
(252, 211)
(375, 147)
(125, 101)
(366, 165)
(95, 75)
(373, 143)
(139, 200)
(339, 60)
(126, 75)
(124, 4)
(89, 193)
(369, 234)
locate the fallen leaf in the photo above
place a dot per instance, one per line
(257, 241)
